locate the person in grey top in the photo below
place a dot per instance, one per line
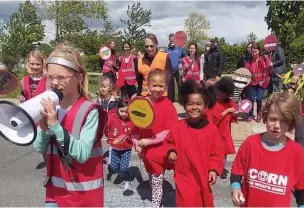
(277, 58)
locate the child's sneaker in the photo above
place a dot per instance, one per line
(127, 185)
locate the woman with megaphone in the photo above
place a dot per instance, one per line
(70, 134)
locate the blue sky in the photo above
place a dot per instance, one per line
(230, 19)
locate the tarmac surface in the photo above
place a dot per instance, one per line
(21, 179)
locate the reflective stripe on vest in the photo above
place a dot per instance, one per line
(78, 119)
(96, 152)
(77, 186)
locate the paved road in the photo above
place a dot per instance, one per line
(21, 182)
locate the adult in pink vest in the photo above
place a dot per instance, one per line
(190, 65)
(128, 72)
(260, 67)
(109, 67)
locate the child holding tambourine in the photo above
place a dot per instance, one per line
(119, 130)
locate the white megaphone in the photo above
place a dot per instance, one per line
(18, 122)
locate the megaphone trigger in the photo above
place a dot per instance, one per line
(18, 122)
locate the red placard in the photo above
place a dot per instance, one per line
(270, 43)
(180, 39)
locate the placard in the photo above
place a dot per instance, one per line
(141, 112)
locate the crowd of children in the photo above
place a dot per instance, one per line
(267, 169)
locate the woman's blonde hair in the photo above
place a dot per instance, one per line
(37, 55)
(69, 52)
(289, 106)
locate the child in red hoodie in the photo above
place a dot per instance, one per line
(269, 166)
(194, 146)
(224, 112)
(150, 142)
(119, 130)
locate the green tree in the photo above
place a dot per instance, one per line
(285, 19)
(251, 37)
(196, 27)
(109, 31)
(138, 17)
(45, 48)
(20, 33)
(72, 17)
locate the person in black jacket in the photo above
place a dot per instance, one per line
(277, 58)
(240, 93)
(214, 61)
(245, 57)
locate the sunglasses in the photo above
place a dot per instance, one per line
(149, 46)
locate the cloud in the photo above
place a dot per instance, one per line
(232, 20)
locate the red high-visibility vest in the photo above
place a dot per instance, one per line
(41, 87)
(107, 66)
(82, 184)
(126, 72)
(260, 71)
(192, 70)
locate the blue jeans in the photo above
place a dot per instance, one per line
(255, 93)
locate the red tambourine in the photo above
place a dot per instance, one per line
(180, 39)
(119, 139)
(245, 106)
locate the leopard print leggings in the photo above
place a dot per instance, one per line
(156, 182)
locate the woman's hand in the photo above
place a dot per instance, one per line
(212, 177)
(21, 98)
(49, 111)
